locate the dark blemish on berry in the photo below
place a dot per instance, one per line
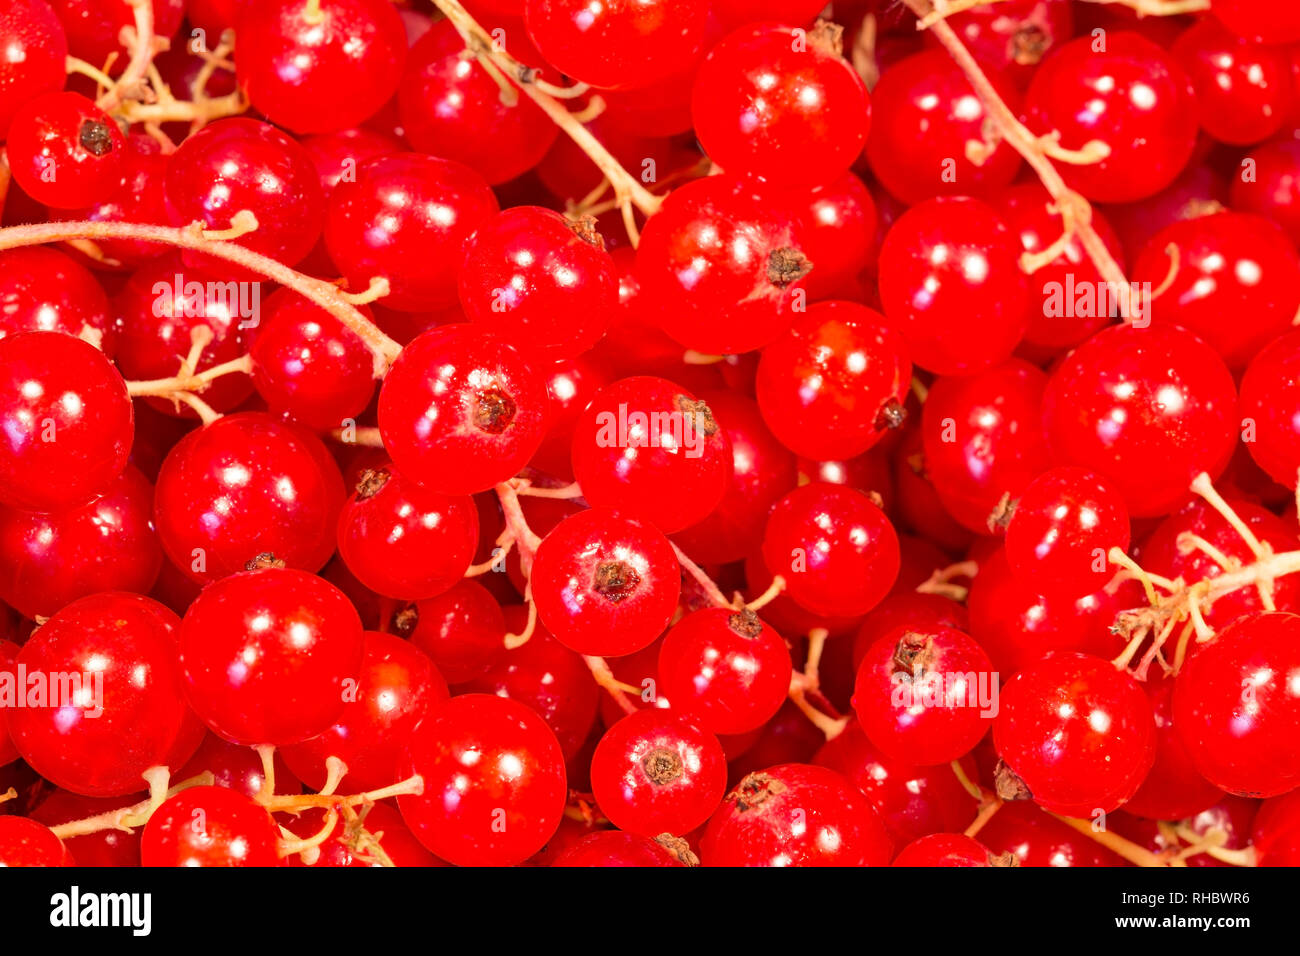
(615, 580)
(405, 619)
(263, 561)
(745, 623)
(892, 414)
(787, 265)
(95, 137)
(494, 410)
(754, 791)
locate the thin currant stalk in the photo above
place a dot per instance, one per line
(144, 46)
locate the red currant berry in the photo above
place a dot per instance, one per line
(64, 150)
(65, 418)
(616, 848)
(1146, 408)
(210, 826)
(1276, 834)
(950, 849)
(907, 610)
(336, 156)
(244, 486)
(1014, 36)
(543, 282)
(43, 290)
(1270, 400)
(461, 410)
(319, 67)
(1076, 732)
(650, 446)
(572, 384)
(1237, 706)
(266, 655)
(1173, 790)
(25, 842)
(724, 668)
(494, 782)
(838, 223)
(462, 630)
(1258, 20)
(1036, 839)
(95, 26)
(237, 768)
(1273, 188)
(125, 713)
(835, 384)
(605, 583)
(102, 848)
(36, 53)
(950, 281)
(795, 815)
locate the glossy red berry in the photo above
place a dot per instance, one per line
(649, 446)
(462, 630)
(1270, 403)
(654, 772)
(245, 486)
(1077, 733)
(65, 418)
(618, 44)
(64, 150)
(726, 669)
(795, 815)
(1064, 524)
(950, 281)
(1146, 408)
(1014, 36)
(238, 768)
(36, 52)
(835, 384)
(925, 696)
(948, 849)
(44, 290)
(25, 842)
(543, 282)
(1258, 20)
(618, 848)
(605, 583)
(406, 218)
(108, 544)
(838, 224)
(1174, 789)
(1237, 706)
(122, 709)
(102, 848)
(210, 826)
(461, 410)
(494, 781)
(266, 655)
(319, 68)
(1132, 97)
(396, 687)
(775, 104)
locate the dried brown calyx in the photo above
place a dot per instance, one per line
(372, 479)
(263, 561)
(1029, 44)
(615, 580)
(914, 654)
(584, 227)
(754, 791)
(494, 410)
(892, 414)
(745, 623)
(678, 848)
(1009, 785)
(697, 415)
(404, 620)
(827, 37)
(95, 137)
(662, 766)
(787, 265)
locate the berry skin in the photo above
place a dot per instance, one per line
(451, 107)
(36, 51)
(543, 282)
(94, 27)
(1237, 706)
(396, 687)
(948, 849)
(462, 630)
(43, 290)
(648, 445)
(950, 281)
(405, 541)
(406, 218)
(836, 550)
(617, 848)
(241, 164)
(1077, 732)
(25, 842)
(65, 418)
(924, 115)
(348, 59)
(780, 110)
(210, 826)
(49, 560)
(266, 655)
(8, 655)
(1228, 264)
(461, 410)
(64, 150)
(130, 713)
(721, 267)
(1146, 408)
(654, 772)
(838, 223)
(102, 848)
(1013, 37)
(795, 815)
(1258, 20)
(494, 782)
(725, 669)
(1133, 97)
(1064, 524)
(925, 696)
(1173, 790)
(246, 486)
(605, 583)
(1270, 400)
(617, 44)
(835, 384)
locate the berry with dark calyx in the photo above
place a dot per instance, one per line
(835, 384)
(65, 418)
(777, 105)
(1075, 734)
(795, 815)
(247, 485)
(315, 68)
(1014, 36)
(654, 772)
(461, 410)
(838, 225)
(836, 550)
(266, 655)
(605, 583)
(494, 781)
(908, 609)
(462, 630)
(210, 826)
(64, 150)
(619, 848)
(543, 282)
(649, 446)
(724, 668)
(950, 849)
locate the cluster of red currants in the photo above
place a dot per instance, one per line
(889, 454)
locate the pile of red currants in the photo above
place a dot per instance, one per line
(649, 433)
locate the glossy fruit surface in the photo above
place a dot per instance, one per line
(36, 49)
(25, 842)
(210, 826)
(944, 849)
(1271, 405)
(64, 150)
